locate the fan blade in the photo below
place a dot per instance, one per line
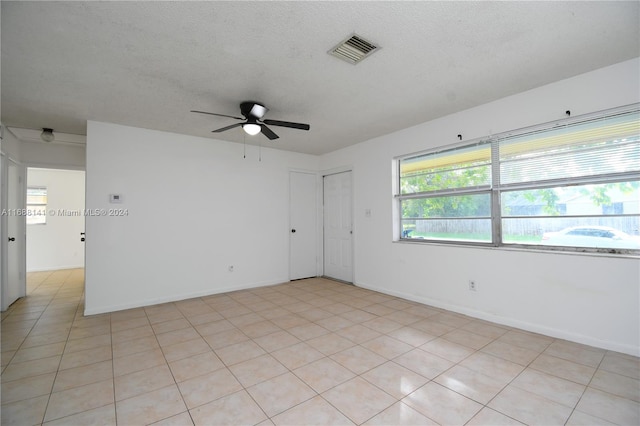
(219, 115)
(287, 124)
(227, 128)
(268, 132)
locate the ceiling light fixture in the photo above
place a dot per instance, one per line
(251, 128)
(47, 135)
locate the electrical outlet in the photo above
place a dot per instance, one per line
(230, 268)
(472, 285)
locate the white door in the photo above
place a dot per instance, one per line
(303, 225)
(14, 286)
(338, 227)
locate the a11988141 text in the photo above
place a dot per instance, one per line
(64, 212)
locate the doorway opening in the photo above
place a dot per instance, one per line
(55, 228)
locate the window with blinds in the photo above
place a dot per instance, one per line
(596, 147)
(572, 184)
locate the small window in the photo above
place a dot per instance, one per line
(36, 205)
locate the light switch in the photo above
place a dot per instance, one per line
(115, 198)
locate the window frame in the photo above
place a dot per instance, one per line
(496, 188)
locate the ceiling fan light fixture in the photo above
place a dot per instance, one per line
(253, 113)
(47, 135)
(251, 128)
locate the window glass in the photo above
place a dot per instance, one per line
(469, 230)
(571, 184)
(36, 205)
(593, 148)
(456, 218)
(460, 168)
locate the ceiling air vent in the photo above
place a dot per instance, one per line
(353, 49)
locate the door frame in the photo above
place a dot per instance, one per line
(84, 189)
(323, 174)
(20, 232)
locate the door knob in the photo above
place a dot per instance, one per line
(12, 239)
(293, 231)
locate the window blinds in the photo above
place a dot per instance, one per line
(597, 147)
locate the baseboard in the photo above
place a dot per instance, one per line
(55, 268)
(515, 323)
(177, 298)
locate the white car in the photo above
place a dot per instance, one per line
(591, 236)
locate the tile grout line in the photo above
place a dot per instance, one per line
(586, 388)
(30, 328)
(113, 369)
(25, 338)
(44, 414)
(175, 382)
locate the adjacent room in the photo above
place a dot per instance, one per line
(291, 213)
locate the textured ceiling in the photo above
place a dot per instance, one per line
(146, 64)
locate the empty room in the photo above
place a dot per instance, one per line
(320, 213)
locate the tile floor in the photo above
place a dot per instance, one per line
(307, 352)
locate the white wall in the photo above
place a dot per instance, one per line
(57, 245)
(593, 299)
(53, 155)
(10, 145)
(195, 207)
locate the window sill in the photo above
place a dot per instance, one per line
(552, 251)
